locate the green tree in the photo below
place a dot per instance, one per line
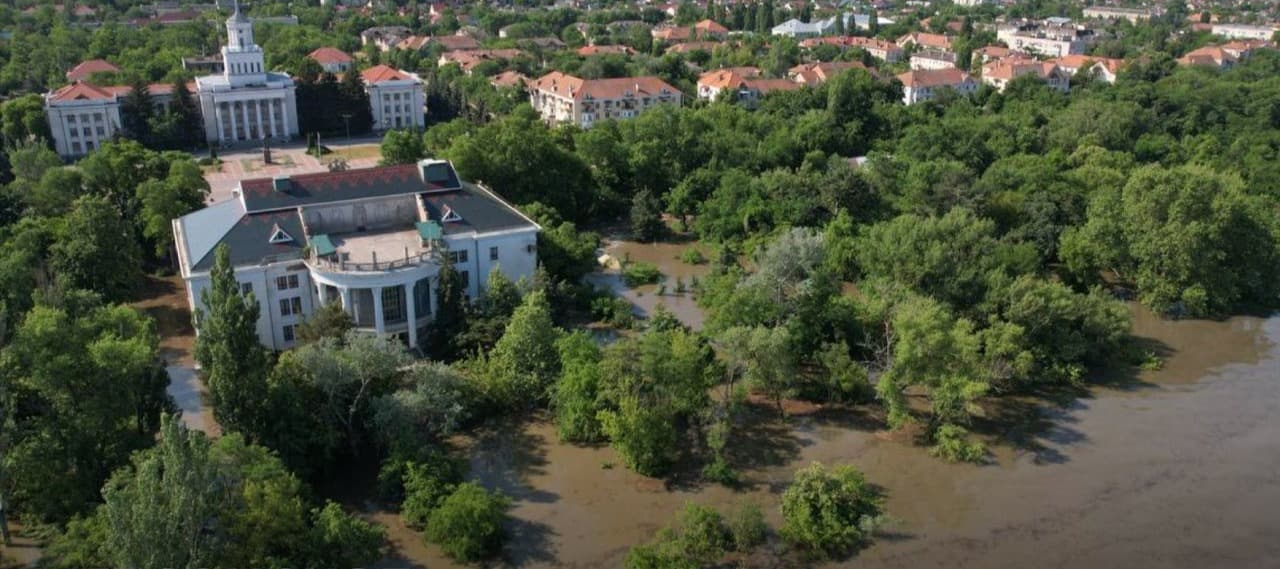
(646, 217)
(136, 112)
(523, 365)
(23, 119)
(830, 513)
(228, 349)
(1190, 238)
(96, 251)
(577, 392)
(401, 146)
(468, 523)
(328, 321)
(451, 313)
(183, 191)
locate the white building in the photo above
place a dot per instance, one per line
(562, 98)
(1245, 31)
(246, 102)
(796, 29)
(933, 59)
(395, 97)
(1055, 37)
(922, 85)
(1134, 15)
(372, 239)
(82, 117)
(999, 74)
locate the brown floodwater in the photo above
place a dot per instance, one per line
(665, 256)
(1175, 468)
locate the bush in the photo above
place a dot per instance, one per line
(746, 525)
(613, 310)
(829, 512)
(951, 442)
(640, 273)
(700, 540)
(719, 471)
(426, 484)
(692, 256)
(468, 524)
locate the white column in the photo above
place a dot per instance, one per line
(346, 302)
(409, 297)
(244, 116)
(379, 325)
(217, 119)
(322, 293)
(257, 110)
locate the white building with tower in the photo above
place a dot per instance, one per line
(246, 102)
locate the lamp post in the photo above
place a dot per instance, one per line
(346, 118)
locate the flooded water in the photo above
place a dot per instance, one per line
(1177, 469)
(665, 256)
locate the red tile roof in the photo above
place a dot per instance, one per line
(87, 68)
(918, 78)
(380, 73)
(577, 89)
(508, 79)
(329, 55)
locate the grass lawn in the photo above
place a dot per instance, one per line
(359, 152)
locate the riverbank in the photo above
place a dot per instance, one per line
(1175, 468)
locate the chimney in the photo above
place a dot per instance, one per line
(280, 183)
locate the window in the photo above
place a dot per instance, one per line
(288, 332)
(459, 256)
(422, 298)
(246, 288)
(392, 304)
(286, 282)
(293, 281)
(291, 306)
(297, 305)
(466, 279)
(493, 253)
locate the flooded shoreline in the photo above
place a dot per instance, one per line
(1179, 469)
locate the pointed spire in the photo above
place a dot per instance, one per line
(236, 14)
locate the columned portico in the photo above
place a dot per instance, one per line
(363, 300)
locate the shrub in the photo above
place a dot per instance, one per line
(640, 273)
(468, 523)
(829, 512)
(746, 525)
(692, 256)
(700, 540)
(613, 310)
(426, 484)
(951, 442)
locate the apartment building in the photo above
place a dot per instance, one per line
(371, 239)
(562, 98)
(1245, 31)
(924, 84)
(886, 51)
(744, 83)
(933, 59)
(1053, 37)
(1133, 15)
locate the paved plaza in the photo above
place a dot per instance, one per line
(290, 159)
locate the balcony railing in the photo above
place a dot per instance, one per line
(336, 264)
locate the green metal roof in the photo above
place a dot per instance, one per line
(323, 245)
(429, 230)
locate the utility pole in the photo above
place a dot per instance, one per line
(346, 118)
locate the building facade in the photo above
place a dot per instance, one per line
(924, 84)
(1054, 37)
(562, 98)
(246, 102)
(371, 239)
(1245, 31)
(395, 97)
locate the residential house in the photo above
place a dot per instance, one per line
(1000, 73)
(991, 53)
(332, 59)
(925, 40)
(508, 79)
(1210, 56)
(920, 85)
(744, 84)
(818, 73)
(562, 98)
(883, 50)
(384, 37)
(933, 59)
(468, 59)
(703, 30)
(372, 240)
(1100, 68)
(590, 50)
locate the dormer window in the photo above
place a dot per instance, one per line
(450, 215)
(279, 235)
